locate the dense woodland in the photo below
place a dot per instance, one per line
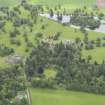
(12, 82)
(73, 72)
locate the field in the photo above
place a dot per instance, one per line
(70, 5)
(8, 2)
(61, 97)
(70, 2)
(97, 54)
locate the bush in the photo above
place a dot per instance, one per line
(98, 39)
(5, 51)
(103, 44)
(16, 42)
(103, 38)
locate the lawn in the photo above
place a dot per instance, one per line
(70, 5)
(62, 2)
(50, 73)
(97, 54)
(8, 2)
(62, 97)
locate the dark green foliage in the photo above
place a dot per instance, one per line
(86, 77)
(15, 41)
(79, 18)
(10, 84)
(5, 51)
(72, 72)
(44, 55)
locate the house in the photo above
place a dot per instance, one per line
(14, 59)
(100, 3)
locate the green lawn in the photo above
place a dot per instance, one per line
(70, 2)
(8, 2)
(70, 5)
(61, 97)
(50, 73)
(97, 54)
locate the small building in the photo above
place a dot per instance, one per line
(14, 59)
(100, 3)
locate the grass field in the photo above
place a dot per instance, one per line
(70, 5)
(97, 54)
(8, 2)
(61, 97)
(52, 2)
(50, 29)
(70, 2)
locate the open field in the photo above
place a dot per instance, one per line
(70, 2)
(52, 2)
(61, 97)
(8, 2)
(70, 5)
(97, 54)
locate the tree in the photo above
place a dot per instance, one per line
(51, 13)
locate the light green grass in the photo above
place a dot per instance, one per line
(66, 32)
(50, 73)
(61, 97)
(8, 2)
(97, 54)
(70, 5)
(62, 2)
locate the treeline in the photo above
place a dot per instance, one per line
(84, 19)
(73, 72)
(83, 77)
